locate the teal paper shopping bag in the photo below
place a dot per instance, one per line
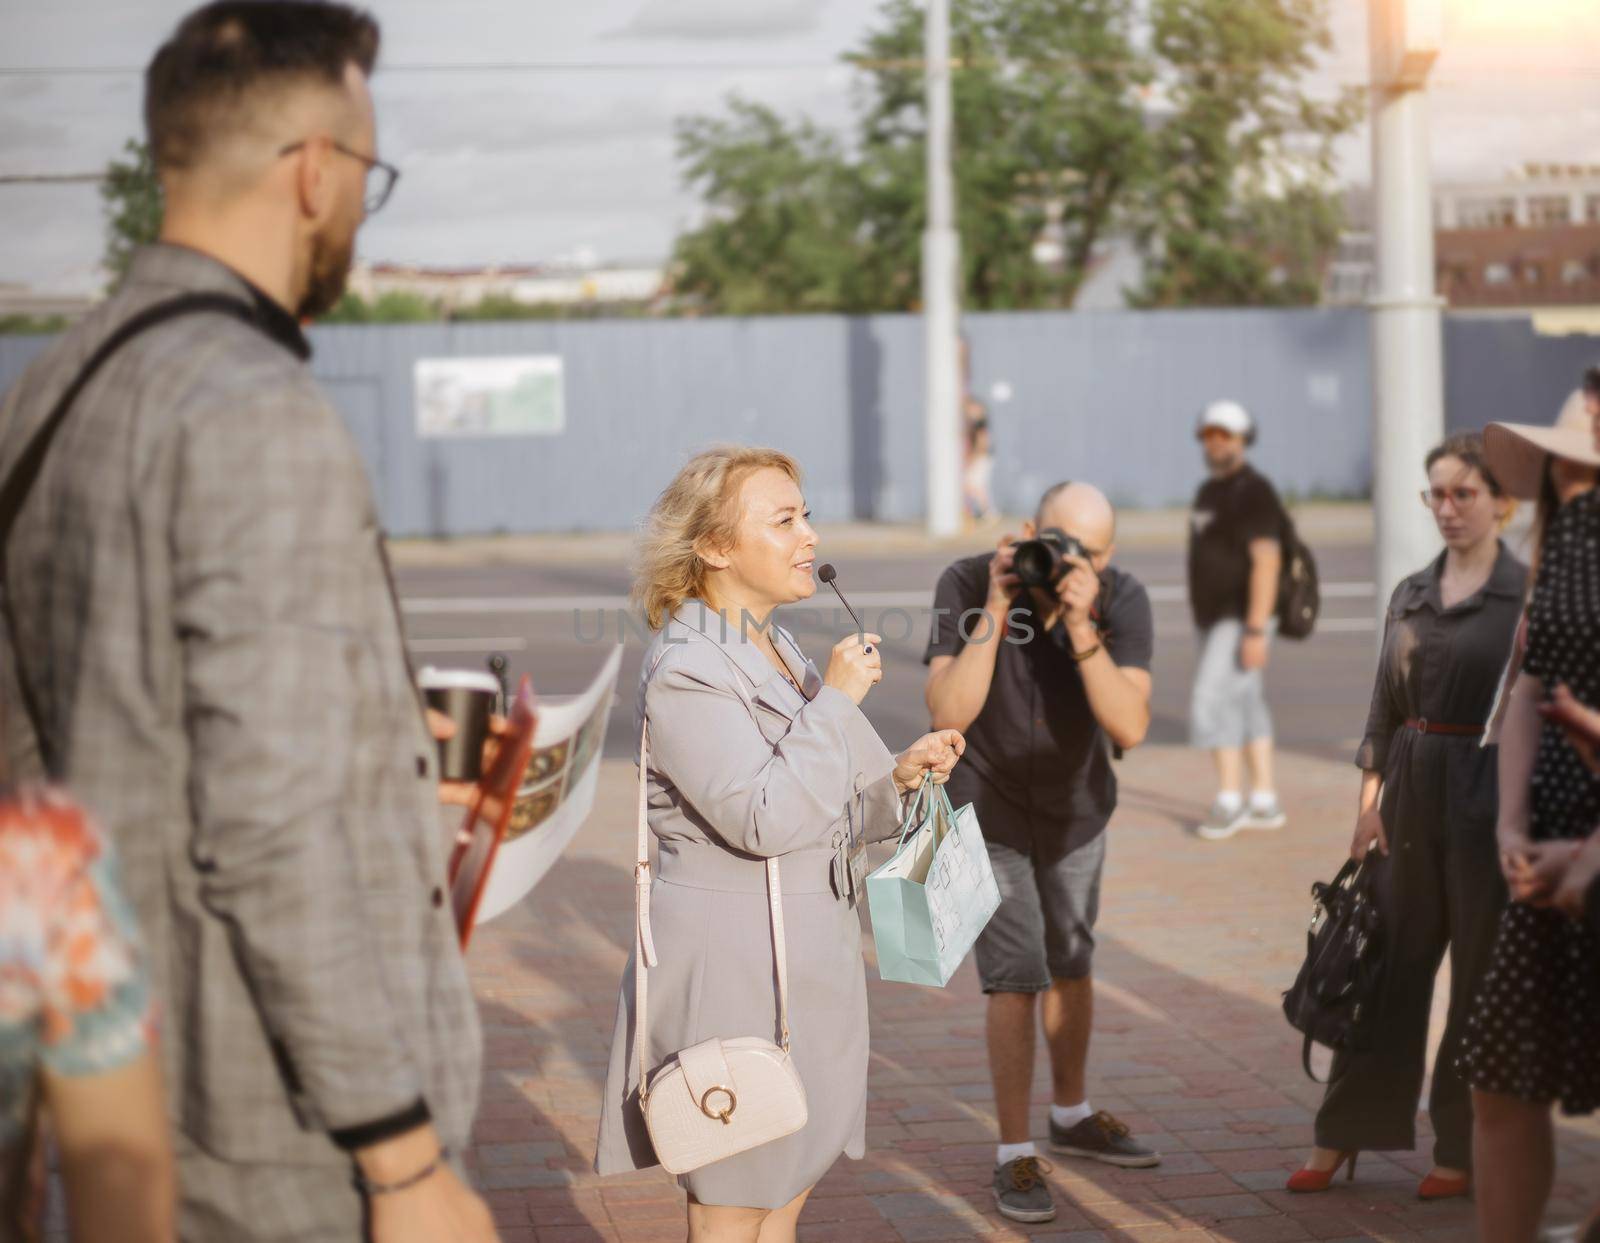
(932, 899)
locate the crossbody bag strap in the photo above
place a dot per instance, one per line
(644, 945)
(19, 483)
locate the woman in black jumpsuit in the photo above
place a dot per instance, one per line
(1428, 802)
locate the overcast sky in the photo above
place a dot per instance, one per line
(575, 158)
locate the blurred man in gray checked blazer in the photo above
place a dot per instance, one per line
(204, 632)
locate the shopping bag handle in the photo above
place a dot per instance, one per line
(940, 803)
(930, 797)
(913, 816)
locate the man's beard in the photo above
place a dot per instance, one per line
(330, 268)
(1226, 466)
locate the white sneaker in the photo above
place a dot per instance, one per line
(1222, 821)
(1269, 817)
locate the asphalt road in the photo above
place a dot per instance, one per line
(554, 619)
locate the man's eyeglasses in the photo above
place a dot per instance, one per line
(380, 175)
(1461, 498)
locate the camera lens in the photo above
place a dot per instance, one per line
(1035, 563)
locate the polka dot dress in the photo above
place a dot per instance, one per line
(1534, 1032)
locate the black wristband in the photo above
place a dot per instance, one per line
(368, 1133)
(370, 1188)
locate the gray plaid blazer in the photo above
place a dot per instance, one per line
(204, 614)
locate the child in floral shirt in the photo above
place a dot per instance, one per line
(76, 1039)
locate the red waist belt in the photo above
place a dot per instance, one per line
(1424, 726)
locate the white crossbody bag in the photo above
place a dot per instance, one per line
(719, 1097)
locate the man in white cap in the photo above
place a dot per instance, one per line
(1235, 553)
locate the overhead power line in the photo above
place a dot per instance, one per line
(24, 179)
(906, 64)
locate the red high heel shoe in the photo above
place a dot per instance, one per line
(1433, 1187)
(1306, 1181)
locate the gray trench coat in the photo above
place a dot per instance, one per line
(742, 768)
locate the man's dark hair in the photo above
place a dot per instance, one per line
(1591, 381)
(223, 53)
(1468, 447)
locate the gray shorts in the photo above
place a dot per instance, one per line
(1044, 928)
(1229, 706)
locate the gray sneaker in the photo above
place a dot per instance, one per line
(1020, 1192)
(1103, 1138)
(1223, 822)
(1269, 817)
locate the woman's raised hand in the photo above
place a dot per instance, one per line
(933, 755)
(855, 665)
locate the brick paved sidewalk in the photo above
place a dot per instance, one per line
(1197, 941)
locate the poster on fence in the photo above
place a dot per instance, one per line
(557, 793)
(511, 395)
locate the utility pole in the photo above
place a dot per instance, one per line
(1407, 341)
(941, 266)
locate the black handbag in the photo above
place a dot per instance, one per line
(1334, 998)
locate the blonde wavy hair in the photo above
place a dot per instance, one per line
(698, 509)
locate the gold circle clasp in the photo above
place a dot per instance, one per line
(722, 1115)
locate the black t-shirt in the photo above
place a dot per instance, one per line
(1035, 742)
(1228, 514)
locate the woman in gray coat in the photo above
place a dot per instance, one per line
(752, 755)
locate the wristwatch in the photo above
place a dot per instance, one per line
(1255, 632)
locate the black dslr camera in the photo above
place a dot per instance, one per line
(1042, 561)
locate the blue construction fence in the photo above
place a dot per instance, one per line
(1109, 397)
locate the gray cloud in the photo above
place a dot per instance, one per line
(25, 133)
(15, 90)
(526, 166)
(722, 20)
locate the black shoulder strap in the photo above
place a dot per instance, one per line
(19, 483)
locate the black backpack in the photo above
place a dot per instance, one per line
(1333, 999)
(1299, 595)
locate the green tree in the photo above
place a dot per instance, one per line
(1240, 207)
(131, 197)
(1057, 141)
(394, 307)
(501, 307)
(32, 324)
(1049, 130)
(786, 229)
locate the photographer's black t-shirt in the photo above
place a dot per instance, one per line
(1035, 743)
(1228, 514)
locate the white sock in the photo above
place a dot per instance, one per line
(1070, 1115)
(1263, 800)
(1229, 800)
(1010, 1152)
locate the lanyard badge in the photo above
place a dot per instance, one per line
(848, 869)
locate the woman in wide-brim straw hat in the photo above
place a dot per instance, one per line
(1521, 451)
(1533, 1038)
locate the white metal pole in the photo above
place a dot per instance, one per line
(1407, 343)
(940, 277)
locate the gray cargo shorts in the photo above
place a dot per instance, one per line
(1044, 928)
(1228, 709)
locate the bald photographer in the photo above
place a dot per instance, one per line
(1040, 654)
